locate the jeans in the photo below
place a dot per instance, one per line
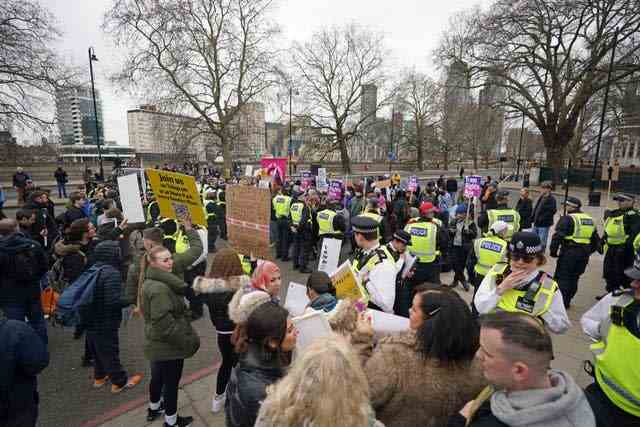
(543, 233)
(106, 349)
(229, 361)
(32, 311)
(165, 378)
(62, 191)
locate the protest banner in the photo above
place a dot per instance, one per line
(335, 190)
(321, 181)
(177, 195)
(347, 285)
(248, 216)
(248, 171)
(307, 180)
(275, 167)
(472, 186)
(329, 255)
(412, 184)
(130, 198)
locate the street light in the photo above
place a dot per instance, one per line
(290, 125)
(92, 57)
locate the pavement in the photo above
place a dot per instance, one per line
(68, 398)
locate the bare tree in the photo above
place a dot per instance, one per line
(420, 98)
(208, 57)
(30, 71)
(551, 56)
(330, 70)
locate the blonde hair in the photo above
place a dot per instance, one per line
(325, 387)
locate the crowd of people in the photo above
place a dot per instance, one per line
(487, 363)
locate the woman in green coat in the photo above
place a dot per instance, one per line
(169, 337)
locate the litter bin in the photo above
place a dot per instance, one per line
(594, 198)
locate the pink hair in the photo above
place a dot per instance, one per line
(262, 274)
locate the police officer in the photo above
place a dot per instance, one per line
(501, 213)
(210, 215)
(521, 286)
(221, 214)
(374, 265)
(174, 240)
(397, 247)
(331, 225)
(281, 207)
(487, 251)
(620, 229)
(577, 238)
(428, 240)
(153, 211)
(301, 227)
(615, 323)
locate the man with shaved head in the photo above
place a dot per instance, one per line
(22, 264)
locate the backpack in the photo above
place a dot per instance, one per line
(76, 297)
(55, 276)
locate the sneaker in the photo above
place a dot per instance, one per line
(217, 404)
(181, 422)
(100, 382)
(154, 414)
(132, 381)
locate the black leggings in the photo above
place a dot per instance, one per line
(229, 360)
(165, 378)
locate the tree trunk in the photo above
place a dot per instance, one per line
(226, 156)
(555, 156)
(420, 147)
(445, 159)
(344, 156)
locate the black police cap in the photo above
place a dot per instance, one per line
(402, 236)
(573, 201)
(624, 197)
(364, 224)
(525, 243)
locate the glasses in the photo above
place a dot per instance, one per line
(523, 258)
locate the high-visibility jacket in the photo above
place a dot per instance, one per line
(424, 235)
(181, 241)
(615, 232)
(325, 222)
(636, 243)
(296, 213)
(510, 216)
(246, 264)
(376, 257)
(209, 215)
(534, 299)
(489, 251)
(282, 205)
(583, 228)
(616, 357)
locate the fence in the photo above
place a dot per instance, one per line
(628, 182)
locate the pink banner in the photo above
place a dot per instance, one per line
(276, 167)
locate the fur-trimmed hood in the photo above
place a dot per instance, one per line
(62, 248)
(245, 302)
(205, 285)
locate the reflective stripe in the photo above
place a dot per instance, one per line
(510, 216)
(489, 251)
(614, 228)
(583, 228)
(423, 240)
(620, 390)
(542, 299)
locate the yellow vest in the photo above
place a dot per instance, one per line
(636, 243)
(489, 251)
(182, 243)
(423, 240)
(616, 359)
(583, 228)
(535, 300)
(614, 228)
(209, 215)
(149, 216)
(510, 216)
(325, 222)
(381, 253)
(296, 212)
(246, 264)
(282, 205)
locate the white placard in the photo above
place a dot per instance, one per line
(311, 326)
(297, 299)
(264, 184)
(130, 198)
(387, 323)
(248, 171)
(322, 179)
(329, 255)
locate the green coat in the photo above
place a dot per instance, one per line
(168, 334)
(180, 264)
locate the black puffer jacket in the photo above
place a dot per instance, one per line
(247, 387)
(217, 295)
(104, 314)
(23, 355)
(22, 264)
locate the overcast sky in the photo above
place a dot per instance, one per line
(411, 27)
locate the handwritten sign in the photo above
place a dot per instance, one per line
(472, 186)
(248, 216)
(177, 195)
(321, 182)
(329, 255)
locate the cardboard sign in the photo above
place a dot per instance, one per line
(347, 285)
(307, 180)
(321, 181)
(472, 186)
(311, 326)
(412, 184)
(130, 198)
(329, 255)
(177, 195)
(248, 216)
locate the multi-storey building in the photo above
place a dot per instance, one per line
(76, 118)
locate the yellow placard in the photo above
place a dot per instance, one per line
(347, 285)
(176, 195)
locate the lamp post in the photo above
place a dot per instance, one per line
(520, 149)
(290, 150)
(92, 57)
